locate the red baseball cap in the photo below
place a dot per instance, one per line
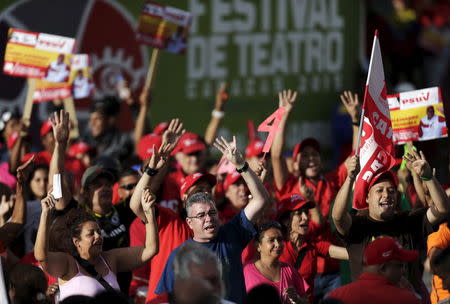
(384, 175)
(195, 178)
(145, 145)
(46, 127)
(254, 148)
(386, 249)
(77, 148)
(160, 128)
(189, 143)
(305, 143)
(230, 179)
(293, 202)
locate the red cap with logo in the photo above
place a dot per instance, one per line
(305, 143)
(12, 139)
(230, 179)
(77, 148)
(145, 145)
(189, 143)
(293, 202)
(46, 127)
(385, 249)
(195, 178)
(254, 148)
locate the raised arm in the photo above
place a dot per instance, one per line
(308, 193)
(19, 149)
(341, 218)
(139, 128)
(55, 264)
(353, 107)
(61, 131)
(441, 206)
(217, 114)
(127, 259)
(10, 229)
(280, 171)
(338, 252)
(259, 193)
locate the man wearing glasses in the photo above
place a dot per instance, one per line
(226, 241)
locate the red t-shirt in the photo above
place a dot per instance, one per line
(30, 259)
(308, 266)
(172, 231)
(372, 288)
(170, 190)
(140, 275)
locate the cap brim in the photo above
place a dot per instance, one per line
(406, 255)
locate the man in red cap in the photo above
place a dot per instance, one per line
(383, 218)
(236, 194)
(382, 273)
(254, 152)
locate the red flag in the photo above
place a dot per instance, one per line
(376, 148)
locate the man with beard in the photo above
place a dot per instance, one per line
(410, 229)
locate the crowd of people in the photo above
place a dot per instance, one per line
(153, 218)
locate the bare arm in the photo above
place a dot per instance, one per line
(217, 115)
(338, 252)
(127, 259)
(259, 193)
(19, 149)
(61, 131)
(139, 128)
(55, 264)
(341, 218)
(440, 208)
(280, 171)
(308, 193)
(353, 107)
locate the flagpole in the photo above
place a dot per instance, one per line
(361, 121)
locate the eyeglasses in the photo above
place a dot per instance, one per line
(128, 186)
(201, 216)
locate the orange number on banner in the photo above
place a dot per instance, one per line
(275, 119)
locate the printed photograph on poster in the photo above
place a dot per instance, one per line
(417, 115)
(38, 55)
(79, 84)
(164, 27)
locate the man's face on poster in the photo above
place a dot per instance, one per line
(430, 112)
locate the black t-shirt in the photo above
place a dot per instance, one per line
(410, 229)
(115, 226)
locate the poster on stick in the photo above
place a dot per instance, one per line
(38, 55)
(164, 27)
(417, 115)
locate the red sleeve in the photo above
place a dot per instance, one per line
(441, 119)
(137, 233)
(323, 248)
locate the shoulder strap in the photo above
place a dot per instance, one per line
(91, 270)
(300, 257)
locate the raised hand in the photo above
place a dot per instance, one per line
(147, 200)
(23, 172)
(261, 171)
(221, 97)
(352, 164)
(230, 151)
(160, 157)
(48, 202)
(306, 191)
(60, 125)
(352, 105)
(173, 133)
(6, 205)
(293, 296)
(286, 98)
(418, 164)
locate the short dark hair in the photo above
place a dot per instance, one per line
(198, 198)
(264, 227)
(107, 106)
(128, 172)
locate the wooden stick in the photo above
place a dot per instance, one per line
(28, 108)
(152, 70)
(69, 106)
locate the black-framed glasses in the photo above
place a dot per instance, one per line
(128, 186)
(201, 216)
